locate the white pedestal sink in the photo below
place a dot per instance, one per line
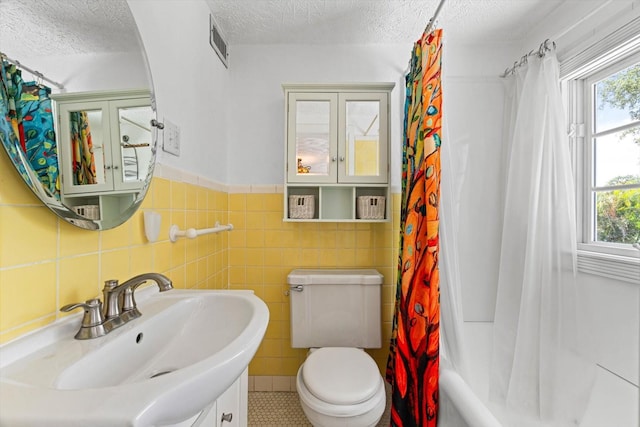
(160, 369)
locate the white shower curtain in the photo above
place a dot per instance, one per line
(454, 166)
(539, 368)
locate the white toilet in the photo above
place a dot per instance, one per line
(336, 313)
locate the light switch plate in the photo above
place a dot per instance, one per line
(171, 138)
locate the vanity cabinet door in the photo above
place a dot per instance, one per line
(232, 406)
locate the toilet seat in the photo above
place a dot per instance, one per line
(341, 375)
(321, 413)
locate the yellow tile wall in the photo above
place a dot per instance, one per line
(46, 263)
(263, 250)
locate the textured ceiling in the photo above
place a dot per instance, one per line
(48, 27)
(65, 27)
(375, 21)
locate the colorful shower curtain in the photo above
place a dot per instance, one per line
(12, 83)
(84, 164)
(412, 367)
(8, 126)
(28, 111)
(38, 135)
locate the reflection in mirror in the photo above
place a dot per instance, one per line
(104, 150)
(91, 161)
(135, 142)
(85, 139)
(363, 138)
(313, 129)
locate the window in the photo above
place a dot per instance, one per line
(604, 109)
(613, 135)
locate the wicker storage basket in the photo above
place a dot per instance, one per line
(88, 211)
(370, 207)
(301, 206)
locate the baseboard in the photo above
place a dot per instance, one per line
(272, 383)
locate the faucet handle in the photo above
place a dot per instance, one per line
(93, 325)
(92, 311)
(129, 307)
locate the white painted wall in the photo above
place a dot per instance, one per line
(192, 85)
(256, 155)
(256, 124)
(91, 72)
(474, 111)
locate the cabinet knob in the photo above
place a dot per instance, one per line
(116, 167)
(108, 167)
(342, 158)
(333, 159)
(226, 417)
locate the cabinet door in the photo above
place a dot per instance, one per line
(363, 134)
(229, 411)
(312, 138)
(84, 152)
(131, 142)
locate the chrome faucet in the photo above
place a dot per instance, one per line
(119, 305)
(119, 301)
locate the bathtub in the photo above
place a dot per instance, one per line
(614, 401)
(460, 406)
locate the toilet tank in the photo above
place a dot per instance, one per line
(335, 308)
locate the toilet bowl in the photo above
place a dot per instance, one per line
(341, 386)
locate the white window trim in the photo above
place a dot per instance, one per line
(615, 261)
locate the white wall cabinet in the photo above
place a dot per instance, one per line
(337, 150)
(118, 124)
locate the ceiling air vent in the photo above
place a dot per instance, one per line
(217, 42)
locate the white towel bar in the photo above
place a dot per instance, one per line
(192, 233)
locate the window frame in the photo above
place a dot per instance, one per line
(615, 260)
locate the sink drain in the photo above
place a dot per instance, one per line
(160, 373)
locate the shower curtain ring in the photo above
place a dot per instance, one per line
(544, 48)
(157, 124)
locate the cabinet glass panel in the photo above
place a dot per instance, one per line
(135, 142)
(313, 128)
(87, 147)
(362, 138)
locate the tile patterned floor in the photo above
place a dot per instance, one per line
(275, 408)
(282, 409)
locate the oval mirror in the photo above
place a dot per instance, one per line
(76, 105)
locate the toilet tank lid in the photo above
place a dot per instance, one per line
(355, 276)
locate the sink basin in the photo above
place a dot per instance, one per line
(163, 368)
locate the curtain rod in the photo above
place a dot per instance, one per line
(32, 71)
(545, 46)
(428, 28)
(435, 16)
